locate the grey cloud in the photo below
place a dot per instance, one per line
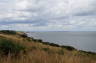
(38, 22)
(52, 13)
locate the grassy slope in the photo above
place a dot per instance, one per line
(37, 51)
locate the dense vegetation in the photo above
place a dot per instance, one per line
(17, 47)
(7, 46)
(8, 32)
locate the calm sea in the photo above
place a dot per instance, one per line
(80, 40)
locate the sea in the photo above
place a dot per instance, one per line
(82, 40)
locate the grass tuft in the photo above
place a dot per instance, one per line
(7, 46)
(45, 49)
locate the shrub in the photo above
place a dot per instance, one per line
(87, 52)
(24, 35)
(52, 44)
(8, 31)
(39, 40)
(7, 46)
(34, 40)
(70, 48)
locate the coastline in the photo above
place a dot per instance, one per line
(19, 47)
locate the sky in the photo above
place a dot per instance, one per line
(48, 15)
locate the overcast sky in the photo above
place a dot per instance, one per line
(48, 15)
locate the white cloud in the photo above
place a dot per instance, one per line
(58, 14)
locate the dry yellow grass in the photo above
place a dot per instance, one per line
(39, 56)
(40, 53)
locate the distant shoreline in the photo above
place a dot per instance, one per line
(61, 45)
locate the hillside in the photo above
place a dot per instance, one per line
(17, 47)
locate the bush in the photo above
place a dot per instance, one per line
(70, 48)
(7, 46)
(34, 40)
(52, 44)
(39, 40)
(8, 31)
(24, 35)
(87, 52)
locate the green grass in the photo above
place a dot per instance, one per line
(7, 46)
(8, 32)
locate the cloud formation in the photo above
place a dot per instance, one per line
(48, 15)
